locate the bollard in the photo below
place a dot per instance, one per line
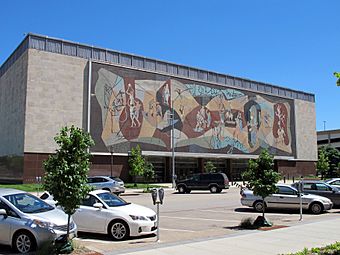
(293, 179)
(284, 179)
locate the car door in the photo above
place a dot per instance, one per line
(329, 192)
(91, 219)
(285, 198)
(7, 223)
(192, 182)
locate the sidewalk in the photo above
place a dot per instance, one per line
(279, 241)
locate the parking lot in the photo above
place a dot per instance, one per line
(195, 216)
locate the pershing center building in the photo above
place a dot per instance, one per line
(125, 100)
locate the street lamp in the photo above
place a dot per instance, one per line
(111, 151)
(173, 144)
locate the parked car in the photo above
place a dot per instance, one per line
(335, 182)
(27, 222)
(322, 189)
(287, 197)
(112, 184)
(214, 182)
(107, 213)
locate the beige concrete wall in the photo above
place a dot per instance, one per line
(305, 128)
(12, 108)
(55, 90)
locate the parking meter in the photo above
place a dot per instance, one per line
(154, 195)
(161, 195)
(157, 196)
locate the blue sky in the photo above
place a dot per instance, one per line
(290, 43)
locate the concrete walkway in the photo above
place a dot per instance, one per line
(279, 241)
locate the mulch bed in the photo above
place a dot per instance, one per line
(272, 227)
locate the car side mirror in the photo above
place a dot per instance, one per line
(3, 213)
(98, 205)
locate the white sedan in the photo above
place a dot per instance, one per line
(106, 213)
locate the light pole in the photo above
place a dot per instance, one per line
(173, 144)
(111, 151)
(324, 125)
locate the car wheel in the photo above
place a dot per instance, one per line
(187, 191)
(219, 190)
(23, 242)
(181, 189)
(258, 206)
(119, 230)
(213, 189)
(316, 208)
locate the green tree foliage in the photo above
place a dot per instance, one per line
(210, 167)
(148, 174)
(337, 75)
(66, 170)
(261, 176)
(322, 166)
(136, 162)
(333, 156)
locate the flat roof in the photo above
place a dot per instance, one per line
(64, 47)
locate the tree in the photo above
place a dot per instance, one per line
(136, 162)
(66, 170)
(322, 165)
(333, 156)
(210, 167)
(262, 178)
(337, 75)
(148, 174)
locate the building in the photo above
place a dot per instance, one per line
(124, 100)
(329, 138)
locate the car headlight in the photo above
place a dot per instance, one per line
(42, 224)
(135, 217)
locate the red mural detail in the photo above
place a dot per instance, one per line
(131, 118)
(280, 130)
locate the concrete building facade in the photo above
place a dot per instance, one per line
(125, 100)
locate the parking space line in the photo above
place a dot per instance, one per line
(177, 230)
(213, 211)
(185, 218)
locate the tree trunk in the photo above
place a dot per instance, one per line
(263, 209)
(68, 226)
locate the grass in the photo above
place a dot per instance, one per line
(142, 186)
(25, 187)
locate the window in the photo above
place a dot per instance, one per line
(286, 191)
(308, 186)
(336, 183)
(9, 211)
(322, 187)
(89, 201)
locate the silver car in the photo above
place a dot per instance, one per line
(27, 222)
(287, 197)
(335, 182)
(112, 184)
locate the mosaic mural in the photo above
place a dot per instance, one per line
(135, 107)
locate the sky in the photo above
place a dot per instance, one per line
(293, 44)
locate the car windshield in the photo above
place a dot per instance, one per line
(28, 203)
(112, 200)
(116, 179)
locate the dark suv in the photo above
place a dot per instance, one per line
(214, 182)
